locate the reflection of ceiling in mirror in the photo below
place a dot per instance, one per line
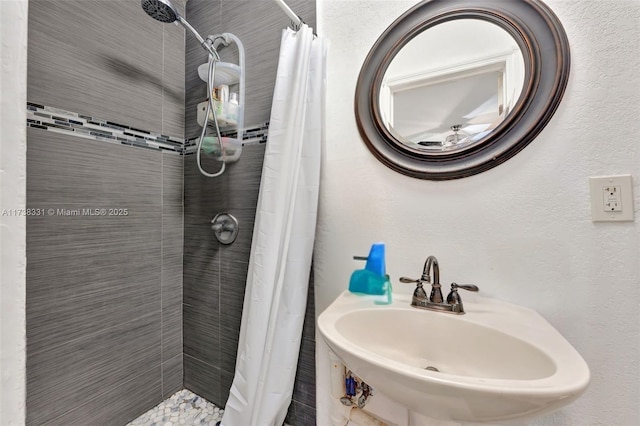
(449, 43)
(466, 72)
(427, 113)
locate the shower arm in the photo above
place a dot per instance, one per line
(207, 45)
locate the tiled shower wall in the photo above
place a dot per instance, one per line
(104, 292)
(214, 274)
(107, 59)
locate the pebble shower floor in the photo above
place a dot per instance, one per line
(183, 408)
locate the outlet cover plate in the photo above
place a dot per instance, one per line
(620, 195)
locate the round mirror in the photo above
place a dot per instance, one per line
(455, 87)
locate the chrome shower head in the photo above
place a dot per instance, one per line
(163, 11)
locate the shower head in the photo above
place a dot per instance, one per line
(163, 11)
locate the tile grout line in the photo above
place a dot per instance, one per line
(161, 272)
(182, 282)
(219, 349)
(163, 82)
(204, 362)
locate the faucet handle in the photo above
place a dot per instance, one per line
(419, 294)
(468, 287)
(454, 298)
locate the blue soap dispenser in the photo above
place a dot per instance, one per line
(373, 279)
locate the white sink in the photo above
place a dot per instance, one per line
(498, 362)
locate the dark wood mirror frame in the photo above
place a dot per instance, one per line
(545, 49)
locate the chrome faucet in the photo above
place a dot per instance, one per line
(435, 301)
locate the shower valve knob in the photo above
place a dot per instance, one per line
(225, 227)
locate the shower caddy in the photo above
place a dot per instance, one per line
(232, 75)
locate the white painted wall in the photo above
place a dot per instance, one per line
(521, 231)
(13, 194)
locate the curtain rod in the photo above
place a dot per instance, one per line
(295, 18)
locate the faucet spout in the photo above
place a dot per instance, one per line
(431, 262)
(436, 292)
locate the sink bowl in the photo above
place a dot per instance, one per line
(498, 362)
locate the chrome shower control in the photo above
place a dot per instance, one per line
(225, 227)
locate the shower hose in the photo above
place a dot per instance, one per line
(211, 109)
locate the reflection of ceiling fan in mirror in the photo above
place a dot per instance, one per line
(456, 137)
(469, 127)
(459, 136)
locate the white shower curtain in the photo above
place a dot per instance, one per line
(283, 235)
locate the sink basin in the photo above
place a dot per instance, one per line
(498, 362)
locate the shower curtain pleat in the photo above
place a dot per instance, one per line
(283, 236)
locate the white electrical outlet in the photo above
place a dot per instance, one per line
(611, 198)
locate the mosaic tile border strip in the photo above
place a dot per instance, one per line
(71, 123)
(61, 121)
